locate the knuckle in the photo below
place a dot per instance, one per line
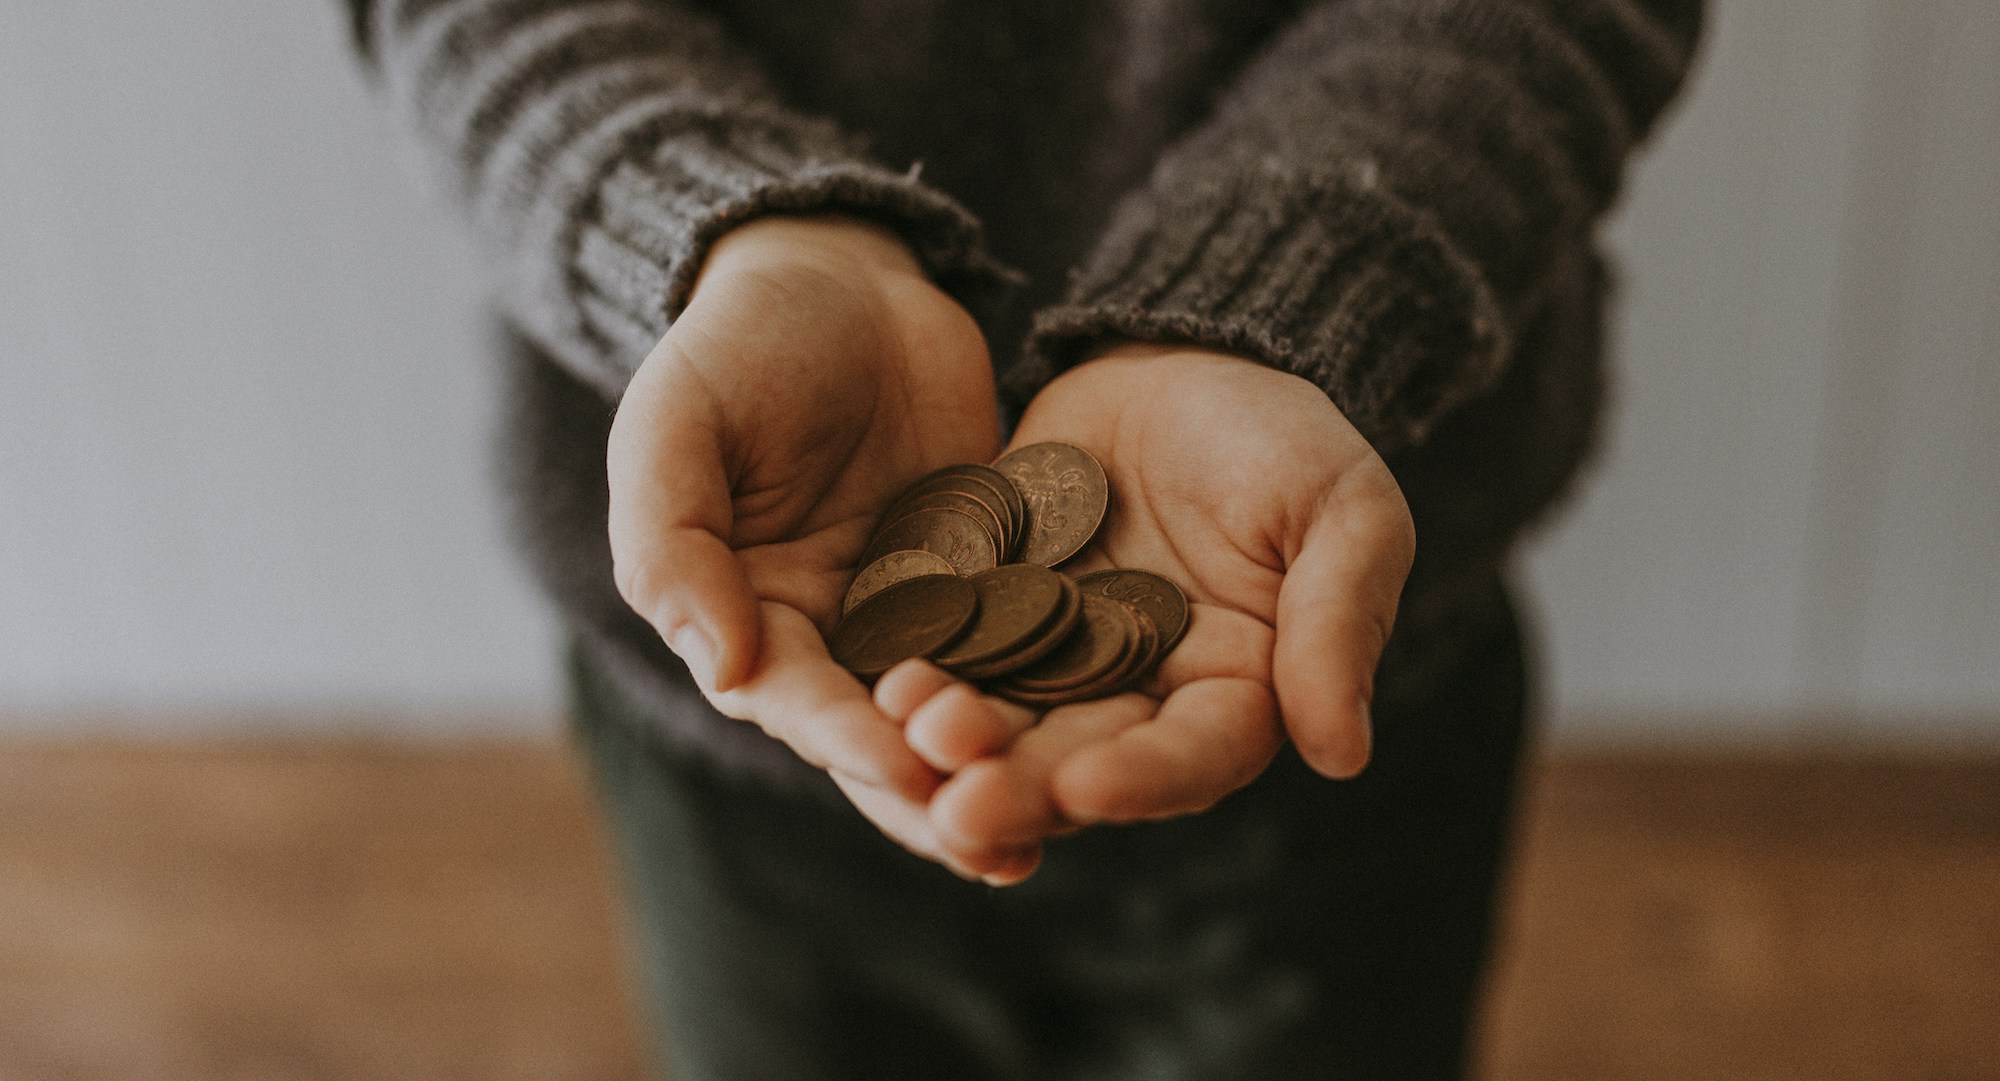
(631, 578)
(646, 589)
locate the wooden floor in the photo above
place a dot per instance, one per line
(282, 912)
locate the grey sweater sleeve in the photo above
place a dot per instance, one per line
(1379, 203)
(598, 149)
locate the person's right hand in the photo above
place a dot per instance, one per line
(815, 372)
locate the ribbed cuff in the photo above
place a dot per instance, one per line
(1333, 280)
(636, 257)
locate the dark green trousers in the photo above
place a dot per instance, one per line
(1301, 929)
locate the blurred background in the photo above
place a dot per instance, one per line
(243, 404)
(243, 423)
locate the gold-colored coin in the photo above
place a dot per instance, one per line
(890, 569)
(916, 617)
(1015, 602)
(953, 535)
(1150, 593)
(1066, 495)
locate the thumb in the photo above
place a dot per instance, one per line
(670, 520)
(1335, 610)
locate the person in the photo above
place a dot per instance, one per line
(1318, 283)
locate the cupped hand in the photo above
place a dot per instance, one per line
(814, 373)
(1248, 488)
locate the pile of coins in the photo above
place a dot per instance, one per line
(960, 572)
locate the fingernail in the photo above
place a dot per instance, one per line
(697, 652)
(1003, 879)
(1014, 871)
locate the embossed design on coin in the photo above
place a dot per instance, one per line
(890, 569)
(953, 535)
(1150, 593)
(916, 617)
(1066, 494)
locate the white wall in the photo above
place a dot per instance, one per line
(243, 395)
(1797, 528)
(242, 391)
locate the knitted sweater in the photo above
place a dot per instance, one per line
(1394, 199)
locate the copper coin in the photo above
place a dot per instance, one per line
(979, 482)
(954, 535)
(1140, 648)
(988, 516)
(1117, 681)
(1015, 602)
(973, 479)
(1132, 667)
(1098, 645)
(916, 617)
(890, 569)
(1138, 664)
(1010, 498)
(1045, 640)
(1066, 494)
(1158, 597)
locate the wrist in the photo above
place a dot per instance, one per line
(1131, 371)
(1151, 360)
(839, 243)
(1124, 349)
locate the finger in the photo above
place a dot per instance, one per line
(900, 819)
(1014, 868)
(1335, 610)
(1006, 800)
(1210, 738)
(904, 822)
(908, 685)
(959, 726)
(947, 722)
(670, 519)
(800, 696)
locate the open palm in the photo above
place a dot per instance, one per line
(1248, 488)
(814, 373)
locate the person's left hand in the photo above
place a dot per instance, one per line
(1251, 491)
